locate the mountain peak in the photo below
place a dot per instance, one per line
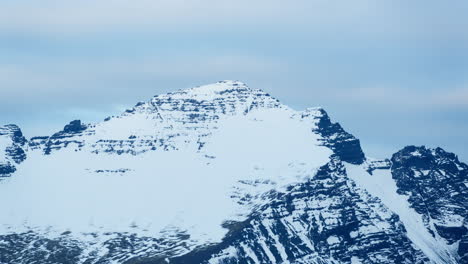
(227, 89)
(215, 90)
(223, 97)
(135, 188)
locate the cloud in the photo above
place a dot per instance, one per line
(453, 98)
(403, 99)
(105, 14)
(395, 18)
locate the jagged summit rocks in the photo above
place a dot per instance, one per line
(212, 91)
(224, 173)
(75, 126)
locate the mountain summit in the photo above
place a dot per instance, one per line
(223, 173)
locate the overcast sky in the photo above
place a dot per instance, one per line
(391, 72)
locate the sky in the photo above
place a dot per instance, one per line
(392, 72)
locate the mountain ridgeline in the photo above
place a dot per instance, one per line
(226, 174)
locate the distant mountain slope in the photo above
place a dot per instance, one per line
(224, 173)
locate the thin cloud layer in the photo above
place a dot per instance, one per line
(406, 99)
(420, 19)
(370, 63)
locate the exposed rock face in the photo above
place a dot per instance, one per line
(373, 165)
(62, 138)
(436, 183)
(6, 169)
(14, 249)
(119, 248)
(75, 126)
(225, 174)
(463, 249)
(12, 143)
(345, 145)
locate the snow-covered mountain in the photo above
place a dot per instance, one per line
(223, 173)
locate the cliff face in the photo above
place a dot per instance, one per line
(435, 182)
(345, 145)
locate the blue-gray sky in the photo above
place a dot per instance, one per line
(392, 73)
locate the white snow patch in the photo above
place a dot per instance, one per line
(228, 252)
(355, 260)
(333, 240)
